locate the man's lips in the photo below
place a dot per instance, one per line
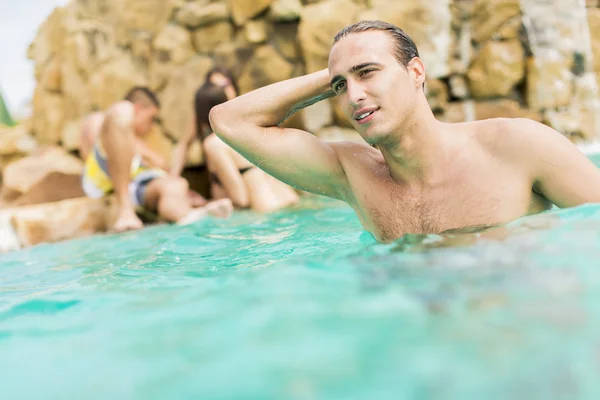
(364, 115)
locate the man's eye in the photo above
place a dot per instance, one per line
(340, 86)
(365, 72)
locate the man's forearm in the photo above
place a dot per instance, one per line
(272, 104)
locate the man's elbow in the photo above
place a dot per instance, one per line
(219, 122)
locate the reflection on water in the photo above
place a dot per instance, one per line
(302, 304)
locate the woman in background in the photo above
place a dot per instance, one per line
(231, 175)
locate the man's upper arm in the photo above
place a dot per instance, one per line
(560, 171)
(293, 156)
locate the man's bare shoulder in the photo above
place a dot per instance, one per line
(502, 135)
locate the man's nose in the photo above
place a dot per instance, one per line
(356, 93)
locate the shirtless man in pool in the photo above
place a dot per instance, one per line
(414, 174)
(117, 160)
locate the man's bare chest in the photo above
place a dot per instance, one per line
(389, 211)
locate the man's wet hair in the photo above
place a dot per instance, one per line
(404, 47)
(142, 95)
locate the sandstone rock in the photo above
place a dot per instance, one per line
(207, 38)
(113, 80)
(49, 176)
(48, 116)
(143, 15)
(62, 220)
(437, 95)
(16, 140)
(98, 9)
(566, 122)
(318, 26)
(172, 47)
(594, 24)
(177, 98)
(70, 137)
(490, 15)
(52, 76)
(339, 114)
(318, 116)
(195, 155)
(579, 122)
(284, 41)
(337, 134)
(497, 69)
(157, 140)
(243, 10)
(76, 98)
(197, 13)
(91, 45)
(140, 44)
(49, 41)
(265, 67)
(472, 111)
(549, 84)
(458, 86)
(428, 24)
(285, 10)
(256, 31)
(233, 56)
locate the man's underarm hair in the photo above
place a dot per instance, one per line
(306, 103)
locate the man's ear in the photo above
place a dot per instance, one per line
(416, 69)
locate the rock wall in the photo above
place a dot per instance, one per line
(479, 57)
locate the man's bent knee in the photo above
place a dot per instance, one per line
(173, 184)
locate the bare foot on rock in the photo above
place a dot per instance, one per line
(127, 221)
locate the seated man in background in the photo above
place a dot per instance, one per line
(117, 159)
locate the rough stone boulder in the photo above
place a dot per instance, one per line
(427, 23)
(264, 68)
(498, 68)
(337, 134)
(53, 222)
(194, 14)
(492, 18)
(15, 143)
(50, 175)
(243, 10)
(285, 10)
(178, 96)
(549, 83)
(472, 110)
(318, 25)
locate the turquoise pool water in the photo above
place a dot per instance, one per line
(302, 305)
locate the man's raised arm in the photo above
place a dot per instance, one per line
(249, 124)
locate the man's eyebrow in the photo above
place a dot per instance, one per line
(352, 70)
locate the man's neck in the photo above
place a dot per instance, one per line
(417, 153)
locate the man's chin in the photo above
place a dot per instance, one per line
(372, 137)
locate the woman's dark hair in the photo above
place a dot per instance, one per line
(223, 71)
(208, 96)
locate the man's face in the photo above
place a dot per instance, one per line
(374, 89)
(145, 116)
